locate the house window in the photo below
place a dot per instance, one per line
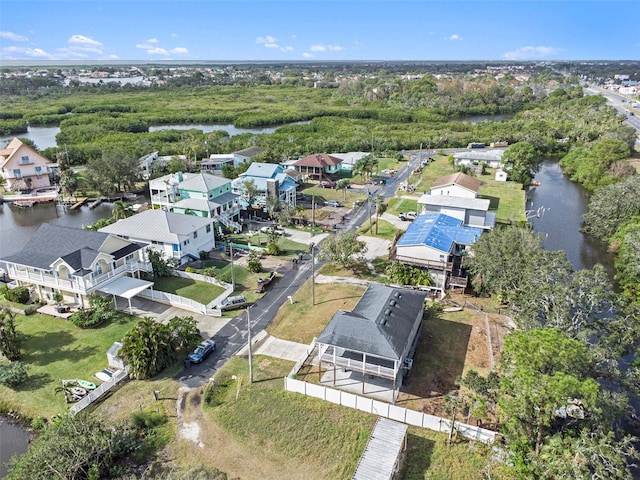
(195, 235)
(25, 160)
(17, 173)
(39, 172)
(208, 228)
(98, 270)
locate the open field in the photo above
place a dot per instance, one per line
(385, 229)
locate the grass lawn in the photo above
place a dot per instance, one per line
(201, 292)
(359, 271)
(300, 322)
(346, 197)
(55, 349)
(401, 205)
(385, 229)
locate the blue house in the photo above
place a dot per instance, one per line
(270, 180)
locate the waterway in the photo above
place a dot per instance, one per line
(559, 205)
(13, 440)
(45, 137)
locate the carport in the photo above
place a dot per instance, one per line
(126, 287)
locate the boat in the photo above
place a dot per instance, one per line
(85, 384)
(23, 204)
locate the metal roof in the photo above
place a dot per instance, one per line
(157, 225)
(439, 231)
(203, 182)
(461, 179)
(455, 202)
(380, 456)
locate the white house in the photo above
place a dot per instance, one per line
(177, 236)
(76, 263)
(246, 155)
(473, 212)
(491, 158)
(216, 161)
(456, 185)
(22, 168)
(349, 159)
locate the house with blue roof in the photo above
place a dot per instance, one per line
(270, 180)
(437, 242)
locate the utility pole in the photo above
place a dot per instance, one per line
(233, 277)
(313, 273)
(369, 210)
(250, 347)
(313, 210)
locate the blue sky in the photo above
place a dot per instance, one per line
(226, 30)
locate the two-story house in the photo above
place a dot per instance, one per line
(178, 237)
(270, 180)
(76, 263)
(22, 168)
(319, 166)
(199, 194)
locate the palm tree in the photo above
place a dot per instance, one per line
(274, 205)
(121, 209)
(68, 182)
(343, 185)
(381, 207)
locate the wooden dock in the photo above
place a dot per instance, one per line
(80, 201)
(96, 202)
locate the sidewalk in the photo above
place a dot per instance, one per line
(265, 344)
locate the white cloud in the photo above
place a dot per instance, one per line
(29, 52)
(531, 53)
(268, 40)
(144, 46)
(152, 40)
(82, 40)
(180, 51)
(325, 48)
(157, 51)
(307, 55)
(455, 36)
(113, 57)
(13, 36)
(288, 48)
(174, 35)
(272, 45)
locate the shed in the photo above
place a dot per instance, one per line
(112, 356)
(382, 457)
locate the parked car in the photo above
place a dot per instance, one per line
(332, 203)
(407, 216)
(328, 184)
(231, 303)
(276, 229)
(202, 351)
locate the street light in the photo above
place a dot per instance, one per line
(313, 273)
(250, 347)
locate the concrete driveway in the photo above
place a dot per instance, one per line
(376, 247)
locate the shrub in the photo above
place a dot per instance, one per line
(86, 318)
(190, 270)
(30, 310)
(272, 249)
(12, 374)
(18, 295)
(204, 254)
(147, 420)
(3, 290)
(254, 264)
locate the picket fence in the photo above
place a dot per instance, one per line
(102, 389)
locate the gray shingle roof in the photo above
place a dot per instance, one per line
(51, 242)
(203, 182)
(380, 324)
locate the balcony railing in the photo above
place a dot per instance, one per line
(75, 284)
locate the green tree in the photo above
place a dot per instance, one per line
(612, 206)
(249, 192)
(522, 162)
(68, 182)
(9, 336)
(381, 207)
(12, 374)
(344, 249)
(150, 346)
(74, 447)
(343, 184)
(114, 172)
(121, 210)
(542, 370)
(160, 266)
(408, 275)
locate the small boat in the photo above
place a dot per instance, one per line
(23, 204)
(85, 384)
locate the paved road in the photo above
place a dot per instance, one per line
(232, 337)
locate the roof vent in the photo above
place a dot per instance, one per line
(387, 312)
(397, 295)
(392, 303)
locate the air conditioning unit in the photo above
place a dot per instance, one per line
(408, 363)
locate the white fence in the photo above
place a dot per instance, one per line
(94, 395)
(387, 410)
(174, 300)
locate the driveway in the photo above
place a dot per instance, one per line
(376, 247)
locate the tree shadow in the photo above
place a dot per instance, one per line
(46, 348)
(34, 382)
(340, 298)
(418, 457)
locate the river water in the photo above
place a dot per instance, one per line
(561, 204)
(13, 440)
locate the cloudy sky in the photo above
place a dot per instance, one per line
(225, 30)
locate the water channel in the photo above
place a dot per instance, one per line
(13, 440)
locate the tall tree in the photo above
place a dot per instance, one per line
(114, 172)
(381, 207)
(68, 182)
(344, 249)
(522, 162)
(9, 336)
(121, 210)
